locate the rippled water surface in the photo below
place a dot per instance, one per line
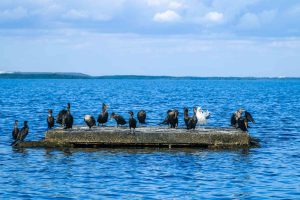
(271, 171)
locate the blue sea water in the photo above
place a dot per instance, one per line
(269, 172)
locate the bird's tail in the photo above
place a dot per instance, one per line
(14, 143)
(163, 122)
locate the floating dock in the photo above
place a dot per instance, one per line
(97, 137)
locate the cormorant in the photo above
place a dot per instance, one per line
(141, 115)
(103, 116)
(90, 121)
(60, 116)
(68, 118)
(171, 118)
(194, 120)
(119, 119)
(241, 117)
(15, 131)
(22, 133)
(132, 121)
(242, 123)
(50, 119)
(235, 116)
(190, 122)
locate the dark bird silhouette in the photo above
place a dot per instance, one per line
(190, 122)
(68, 118)
(241, 118)
(132, 122)
(103, 116)
(60, 117)
(50, 119)
(90, 121)
(242, 124)
(15, 131)
(141, 115)
(22, 134)
(171, 118)
(119, 119)
(235, 116)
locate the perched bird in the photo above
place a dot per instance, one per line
(171, 118)
(141, 115)
(50, 119)
(103, 116)
(190, 122)
(241, 115)
(15, 131)
(68, 118)
(193, 122)
(90, 121)
(235, 116)
(242, 123)
(132, 121)
(22, 133)
(202, 115)
(60, 116)
(119, 119)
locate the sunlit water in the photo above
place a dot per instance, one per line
(271, 171)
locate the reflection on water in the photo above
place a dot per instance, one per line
(271, 171)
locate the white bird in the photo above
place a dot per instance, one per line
(202, 115)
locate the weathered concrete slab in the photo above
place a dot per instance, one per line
(149, 136)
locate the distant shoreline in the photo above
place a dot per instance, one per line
(61, 75)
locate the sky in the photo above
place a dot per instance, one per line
(152, 37)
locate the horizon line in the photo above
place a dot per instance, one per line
(79, 75)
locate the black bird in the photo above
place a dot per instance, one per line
(119, 119)
(132, 122)
(103, 116)
(15, 131)
(242, 124)
(190, 122)
(240, 118)
(50, 119)
(171, 118)
(193, 122)
(90, 121)
(141, 115)
(22, 134)
(235, 116)
(60, 116)
(68, 118)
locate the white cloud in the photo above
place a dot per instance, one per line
(167, 16)
(214, 16)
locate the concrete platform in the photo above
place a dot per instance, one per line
(81, 136)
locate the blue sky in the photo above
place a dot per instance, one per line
(151, 37)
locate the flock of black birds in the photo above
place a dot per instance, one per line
(239, 119)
